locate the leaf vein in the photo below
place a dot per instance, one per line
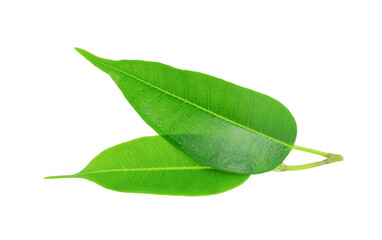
(144, 169)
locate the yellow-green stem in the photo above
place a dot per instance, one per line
(309, 150)
(330, 158)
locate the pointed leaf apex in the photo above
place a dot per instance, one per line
(99, 62)
(84, 53)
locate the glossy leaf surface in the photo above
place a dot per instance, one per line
(152, 165)
(213, 121)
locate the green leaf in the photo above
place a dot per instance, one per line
(152, 165)
(213, 121)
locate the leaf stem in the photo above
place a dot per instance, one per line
(331, 158)
(309, 150)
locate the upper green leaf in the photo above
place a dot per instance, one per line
(152, 165)
(215, 122)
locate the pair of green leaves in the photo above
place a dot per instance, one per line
(213, 134)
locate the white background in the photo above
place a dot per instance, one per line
(321, 59)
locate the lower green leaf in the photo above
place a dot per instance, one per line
(152, 165)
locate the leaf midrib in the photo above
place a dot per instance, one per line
(144, 169)
(195, 105)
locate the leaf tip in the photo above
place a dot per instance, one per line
(95, 60)
(81, 51)
(49, 177)
(60, 176)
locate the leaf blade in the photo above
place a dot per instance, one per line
(160, 94)
(152, 165)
